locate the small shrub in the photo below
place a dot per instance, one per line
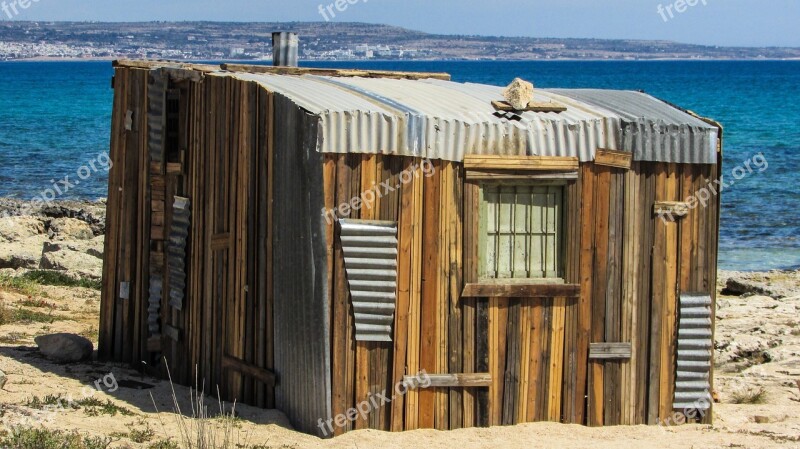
(19, 284)
(12, 338)
(5, 314)
(141, 435)
(39, 438)
(758, 396)
(50, 400)
(37, 303)
(164, 444)
(96, 407)
(26, 316)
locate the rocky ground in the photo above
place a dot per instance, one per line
(757, 379)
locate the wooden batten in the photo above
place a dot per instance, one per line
(676, 209)
(521, 163)
(463, 380)
(532, 107)
(610, 351)
(334, 72)
(614, 158)
(497, 290)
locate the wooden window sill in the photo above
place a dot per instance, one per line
(520, 290)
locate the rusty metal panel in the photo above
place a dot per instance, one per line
(156, 114)
(370, 259)
(695, 347)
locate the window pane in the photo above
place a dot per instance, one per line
(522, 231)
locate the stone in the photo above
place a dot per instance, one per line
(65, 348)
(26, 253)
(82, 258)
(3, 379)
(16, 229)
(519, 94)
(70, 229)
(761, 419)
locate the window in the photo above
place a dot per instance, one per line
(522, 231)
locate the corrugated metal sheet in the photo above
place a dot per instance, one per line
(300, 285)
(652, 129)
(176, 257)
(156, 114)
(695, 346)
(154, 304)
(446, 120)
(370, 259)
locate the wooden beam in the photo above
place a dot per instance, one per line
(465, 380)
(673, 208)
(140, 64)
(521, 163)
(262, 375)
(610, 351)
(521, 290)
(614, 158)
(334, 72)
(532, 107)
(500, 176)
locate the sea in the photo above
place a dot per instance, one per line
(55, 122)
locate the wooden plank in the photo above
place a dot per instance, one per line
(556, 359)
(610, 351)
(460, 380)
(532, 107)
(415, 303)
(482, 359)
(430, 292)
(518, 163)
(669, 329)
(441, 396)
(455, 344)
(612, 376)
(262, 375)
(511, 379)
(657, 309)
(534, 399)
(613, 158)
(586, 276)
(521, 413)
(334, 72)
(529, 291)
(498, 320)
(511, 176)
(671, 210)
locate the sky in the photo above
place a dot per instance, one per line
(709, 22)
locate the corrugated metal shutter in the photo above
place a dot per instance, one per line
(179, 232)
(695, 346)
(370, 259)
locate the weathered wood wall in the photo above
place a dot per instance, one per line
(630, 265)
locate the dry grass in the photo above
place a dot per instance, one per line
(757, 396)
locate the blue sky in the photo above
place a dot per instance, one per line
(712, 22)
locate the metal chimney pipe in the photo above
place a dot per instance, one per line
(285, 49)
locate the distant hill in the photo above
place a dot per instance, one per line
(320, 40)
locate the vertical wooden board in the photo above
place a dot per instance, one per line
(669, 323)
(612, 376)
(108, 286)
(521, 412)
(406, 234)
(441, 421)
(498, 320)
(470, 275)
(412, 411)
(586, 278)
(511, 380)
(600, 284)
(571, 329)
(455, 342)
(270, 299)
(536, 336)
(658, 301)
(556, 360)
(630, 275)
(647, 179)
(430, 293)
(341, 369)
(483, 360)
(543, 409)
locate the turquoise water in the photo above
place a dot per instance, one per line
(54, 119)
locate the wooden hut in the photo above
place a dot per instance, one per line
(309, 239)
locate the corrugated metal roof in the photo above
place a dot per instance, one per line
(692, 382)
(447, 120)
(370, 259)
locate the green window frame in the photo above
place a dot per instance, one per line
(522, 231)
